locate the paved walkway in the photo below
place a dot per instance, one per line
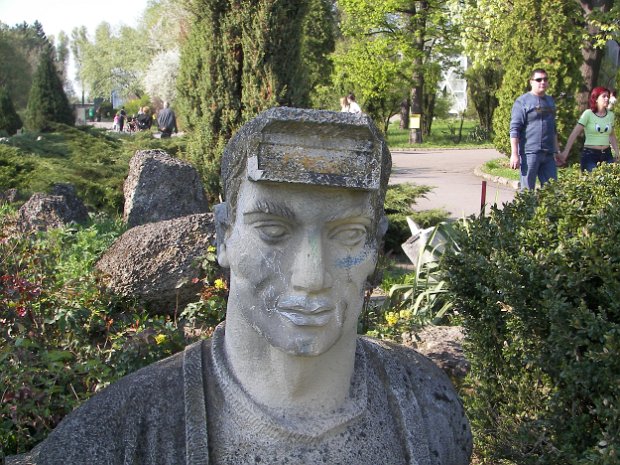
(451, 174)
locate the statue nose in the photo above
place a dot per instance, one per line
(310, 271)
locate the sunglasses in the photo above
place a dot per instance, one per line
(545, 79)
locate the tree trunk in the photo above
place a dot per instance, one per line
(415, 134)
(592, 57)
(404, 113)
(417, 78)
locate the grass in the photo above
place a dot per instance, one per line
(500, 167)
(444, 134)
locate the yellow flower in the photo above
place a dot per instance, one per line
(391, 318)
(220, 284)
(405, 314)
(211, 249)
(160, 338)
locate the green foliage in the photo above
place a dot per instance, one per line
(134, 105)
(523, 35)
(537, 287)
(368, 68)
(317, 42)
(237, 61)
(95, 161)
(483, 82)
(9, 119)
(20, 48)
(399, 202)
(415, 299)
(391, 48)
(48, 102)
(113, 61)
(63, 338)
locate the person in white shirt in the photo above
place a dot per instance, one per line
(353, 106)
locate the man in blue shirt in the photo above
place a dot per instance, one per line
(533, 135)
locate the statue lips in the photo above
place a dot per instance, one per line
(305, 311)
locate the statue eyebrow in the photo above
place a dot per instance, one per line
(271, 208)
(354, 212)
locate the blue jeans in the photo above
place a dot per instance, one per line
(591, 157)
(539, 165)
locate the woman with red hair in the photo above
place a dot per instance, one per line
(598, 124)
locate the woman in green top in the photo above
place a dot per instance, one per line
(598, 124)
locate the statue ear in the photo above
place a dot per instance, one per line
(382, 227)
(221, 227)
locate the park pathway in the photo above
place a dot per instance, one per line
(451, 174)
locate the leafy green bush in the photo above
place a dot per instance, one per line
(538, 288)
(63, 337)
(94, 160)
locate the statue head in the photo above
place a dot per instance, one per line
(302, 224)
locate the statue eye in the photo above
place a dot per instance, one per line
(349, 235)
(272, 231)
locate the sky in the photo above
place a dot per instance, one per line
(65, 15)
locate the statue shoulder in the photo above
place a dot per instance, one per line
(425, 397)
(126, 419)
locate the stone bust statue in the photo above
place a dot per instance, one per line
(285, 379)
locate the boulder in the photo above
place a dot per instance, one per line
(46, 211)
(159, 263)
(75, 204)
(444, 346)
(9, 196)
(160, 187)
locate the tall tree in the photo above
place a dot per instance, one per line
(114, 61)
(62, 52)
(600, 24)
(9, 119)
(373, 69)
(420, 33)
(47, 102)
(20, 48)
(318, 41)
(241, 57)
(483, 82)
(523, 35)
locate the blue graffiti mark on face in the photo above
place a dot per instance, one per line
(350, 262)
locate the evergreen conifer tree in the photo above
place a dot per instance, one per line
(47, 102)
(241, 57)
(9, 119)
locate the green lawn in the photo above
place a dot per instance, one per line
(444, 133)
(500, 167)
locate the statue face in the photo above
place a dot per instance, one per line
(299, 257)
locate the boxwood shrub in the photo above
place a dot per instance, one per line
(538, 288)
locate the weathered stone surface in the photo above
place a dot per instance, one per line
(9, 196)
(444, 346)
(43, 211)
(160, 187)
(285, 379)
(158, 262)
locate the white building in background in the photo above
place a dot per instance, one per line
(454, 85)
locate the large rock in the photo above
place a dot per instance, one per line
(160, 187)
(46, 211)
(160, 262)
(444, 346)
(9, 196)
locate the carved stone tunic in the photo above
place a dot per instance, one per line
(189, 410)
